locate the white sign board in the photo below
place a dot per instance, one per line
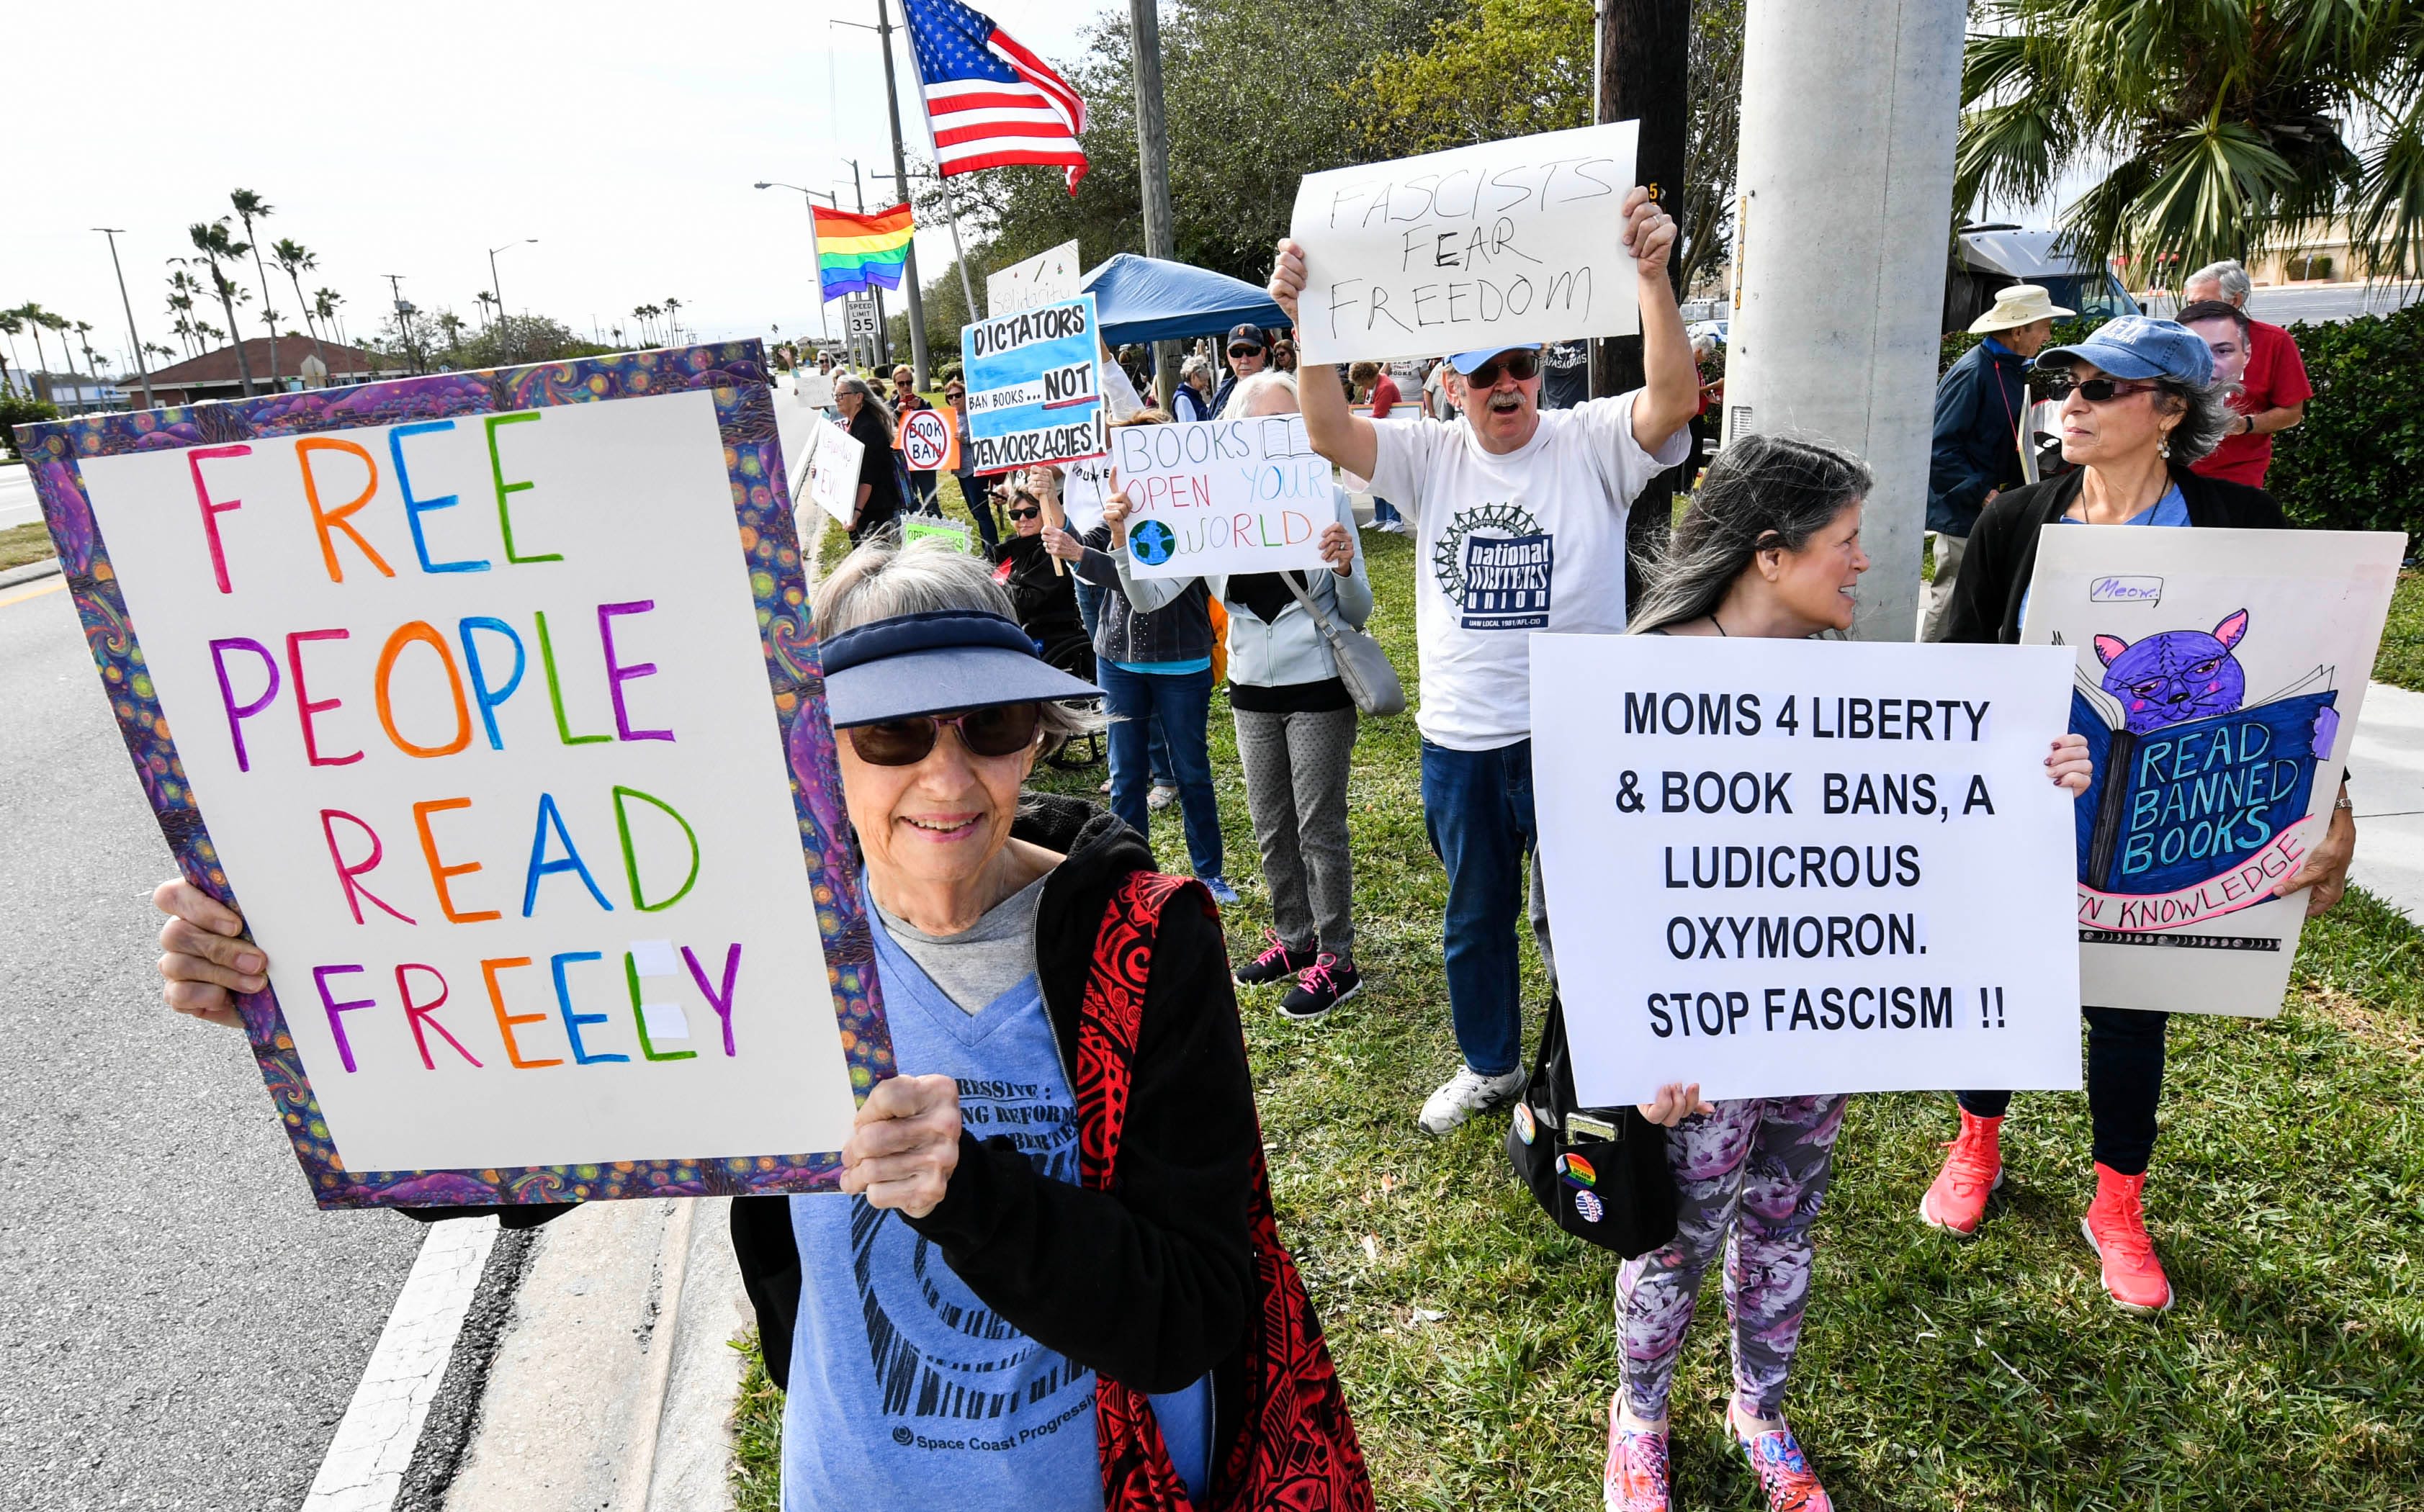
(1513, 241)
(815, 389)
(1041, 279)
(2220, 676)
(1084, 488)
(830, 483)
(1222, 496)
(1785, 867)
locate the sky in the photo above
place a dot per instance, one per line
(624, 137)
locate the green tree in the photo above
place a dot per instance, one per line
(293, 258)
(251, 207)
(2218, 127)
(212, 240)
(35, 319)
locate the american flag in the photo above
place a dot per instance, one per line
(989, 102)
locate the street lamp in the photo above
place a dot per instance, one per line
(142, 369)
(497, 290)
(823, 329)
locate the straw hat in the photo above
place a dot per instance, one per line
(2019, 305)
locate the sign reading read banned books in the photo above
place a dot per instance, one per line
(1786, 868)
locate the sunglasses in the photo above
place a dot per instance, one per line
(1003, 730)
(1029, 513)
(2095, 391)
(1519, 365)
(1245, 351)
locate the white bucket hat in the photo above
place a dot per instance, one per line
(2019, 305)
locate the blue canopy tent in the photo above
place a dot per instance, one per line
(1148, 299)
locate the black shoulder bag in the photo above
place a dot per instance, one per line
(1599, 1173)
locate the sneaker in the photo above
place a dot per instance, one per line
(1330, 980)
(1466, 1093)
(1782, 1469)
(2115, 1226)
(1278, 961)
(1958, 1199)
(1161, 798)
(1635, 1477)
(1222, 892)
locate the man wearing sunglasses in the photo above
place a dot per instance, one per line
(1247, 356)
(1520, 516)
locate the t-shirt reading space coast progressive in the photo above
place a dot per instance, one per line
(1533, 540)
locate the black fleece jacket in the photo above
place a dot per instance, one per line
(2003, 553)
(1147, 1284)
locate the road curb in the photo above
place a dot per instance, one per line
(30, 572)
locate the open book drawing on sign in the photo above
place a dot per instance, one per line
(2193, 782)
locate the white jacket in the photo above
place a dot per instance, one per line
(1291, 650)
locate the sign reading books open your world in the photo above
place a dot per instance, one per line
(1521, 240)
(1785, 867)
(496, 711)
(1222, 496)
(2218, 678)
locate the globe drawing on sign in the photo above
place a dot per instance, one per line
(1152, 542)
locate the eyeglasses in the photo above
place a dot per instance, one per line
(1520, 365)
(1236, 352)
(1003, 730)
(2095, 391)
(1029, 513)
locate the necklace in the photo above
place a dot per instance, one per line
(1720, 627)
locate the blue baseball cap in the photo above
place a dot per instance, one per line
(2140, 347)
(1464, 363)
(938, 662)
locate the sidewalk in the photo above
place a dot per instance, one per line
(2386, 783)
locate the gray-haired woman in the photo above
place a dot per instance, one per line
(1770, 547)
(868, 418)
(1190, 400)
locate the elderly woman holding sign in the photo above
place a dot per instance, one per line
(1055, 1281)
(1296, 731)
(2140, 402)
(1770, 547)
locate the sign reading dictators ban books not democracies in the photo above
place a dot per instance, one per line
(1786, 868)
(1035, 386)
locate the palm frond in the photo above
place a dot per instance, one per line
(2387, 220)
(2011, 152)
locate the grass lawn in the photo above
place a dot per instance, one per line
(1475, 1339)
(2402, 638)
(21, 543)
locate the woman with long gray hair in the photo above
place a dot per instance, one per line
(868, 420)
(1770, 547)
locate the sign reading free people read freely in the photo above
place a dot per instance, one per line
(1222, 496)
(1507, 242)
(1035, 386)
(496, 712)
(2220, 675)
(1784, 868)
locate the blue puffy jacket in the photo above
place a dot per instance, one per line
(1978, 406)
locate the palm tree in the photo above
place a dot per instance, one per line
(618, 335)
(211, 239)
(156, 349)
(647, 315)
(35, 318)
(84, 339)
(488, 316)
(2225, 124)
(251, 207)
(673, 315)
(324, 304)
(293, 258)
(10, 324)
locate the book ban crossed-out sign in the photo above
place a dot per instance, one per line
(925, 439)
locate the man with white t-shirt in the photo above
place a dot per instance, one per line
(1521, 519)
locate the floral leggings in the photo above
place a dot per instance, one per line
(1751, 1174)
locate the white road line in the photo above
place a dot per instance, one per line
(366, 1460)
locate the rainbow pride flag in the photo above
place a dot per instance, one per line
(860, 252)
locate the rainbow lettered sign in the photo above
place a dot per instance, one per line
(491, 700)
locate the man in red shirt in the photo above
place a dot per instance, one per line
(1385, 397)
(2272, 393)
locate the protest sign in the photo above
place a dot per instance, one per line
(1222, 496)
(1041, 279)
(928, 439)
(476, 724)
(1785, 867)
(831, 471)
(1521, 240)
(815, 389)
(1035, 386)
(916, 528)
(2218, 678)
(1084, 488)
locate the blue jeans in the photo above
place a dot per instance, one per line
(1180, 704)
(1383, 512)
(1477, 809)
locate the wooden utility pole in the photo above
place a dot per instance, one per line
(1643, 69)
(1153, 165)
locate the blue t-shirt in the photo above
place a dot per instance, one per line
(906, 1389)
(2170, 510)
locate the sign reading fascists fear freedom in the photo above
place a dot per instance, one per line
(1786, 868)
(1035, 386)
(1512, 241)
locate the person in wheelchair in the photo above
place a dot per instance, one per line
(1042, 594)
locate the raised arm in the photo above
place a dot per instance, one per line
(1335, 430)
(1670, 393)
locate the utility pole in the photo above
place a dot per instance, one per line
(498, 288)
(1644, 56)
(901, 180)
(404, 320)
(858, 187)
(142, 369)
(1153, 167)
(1835, 335)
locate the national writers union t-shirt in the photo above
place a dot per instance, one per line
(1532, 540)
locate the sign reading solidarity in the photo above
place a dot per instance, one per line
(476, 724)
(1784, 868)
(2213, 689)
(1512, 241)
(834, 460)
(1035, 386)
(1223, 496)
(928, 439)
(1040, 279)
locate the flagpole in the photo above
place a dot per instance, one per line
(901, 178)
(951, 200)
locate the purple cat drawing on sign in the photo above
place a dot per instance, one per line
(2175, 676)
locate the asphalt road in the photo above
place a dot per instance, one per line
(17, 505)
(179, 1326)
(2317, 303)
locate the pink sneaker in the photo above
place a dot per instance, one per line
(1973, 1167)
(1635, 1479)
(1783, 1471)
(2115, 1226)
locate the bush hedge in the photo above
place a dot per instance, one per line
(2356, 462)
(21, 409)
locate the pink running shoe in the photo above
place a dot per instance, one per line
(2115, 1226)
(1973, 1169)
(1636, 1479)
(1782, 1469)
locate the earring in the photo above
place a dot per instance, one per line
(2163, 449)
